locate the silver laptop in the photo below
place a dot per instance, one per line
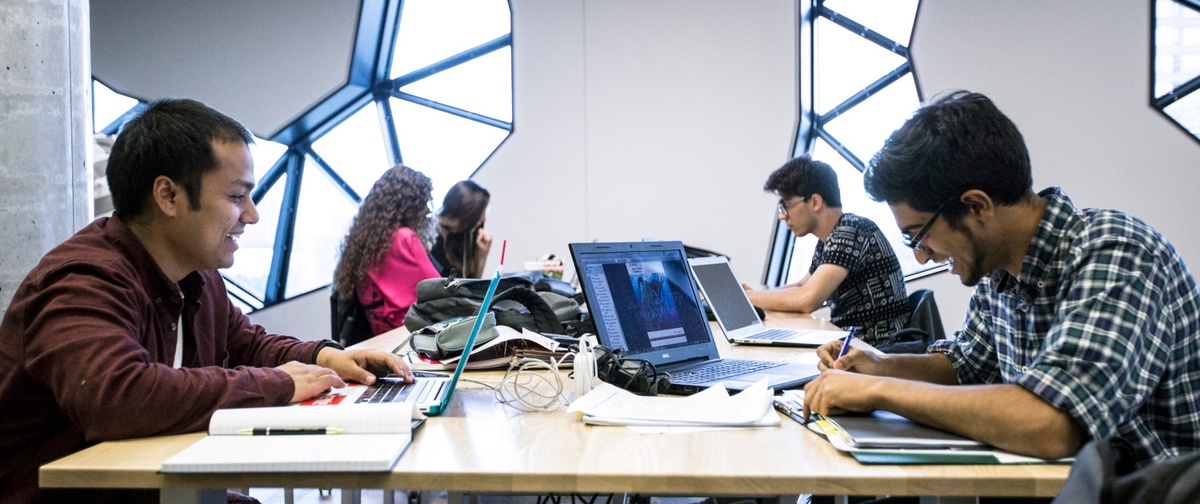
(645, 304)
(736, 315)
(430, 392)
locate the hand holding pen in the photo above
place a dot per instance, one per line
(829, 356)
(846, 343)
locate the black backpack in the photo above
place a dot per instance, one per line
(517, 303)
(1105, 472)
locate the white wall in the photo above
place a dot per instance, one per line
(647, 119)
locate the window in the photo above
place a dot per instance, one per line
(1176, 67)
(430, 86)
(856, 87)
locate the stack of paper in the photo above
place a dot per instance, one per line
(368, 437)
(712, 407)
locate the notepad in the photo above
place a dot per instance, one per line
(373, 438)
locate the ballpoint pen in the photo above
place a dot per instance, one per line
(846, 342)
(268, 431)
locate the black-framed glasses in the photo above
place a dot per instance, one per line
(783, 206)
(914, 241)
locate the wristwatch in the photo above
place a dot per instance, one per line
(326, 343)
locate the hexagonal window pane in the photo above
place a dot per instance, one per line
(432, 30)
(108, 105)
(890, 18)
(482, 85)
(355, 150)
(847, 63)
(322, 219)
(443, 146)
(1186, 112)
(265, 154)
(865, 127)
(252, 262)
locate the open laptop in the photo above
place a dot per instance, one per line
(736, 315)
(431, 393)
(645, 304)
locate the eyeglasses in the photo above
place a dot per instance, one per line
(783, 206)
(914, 241)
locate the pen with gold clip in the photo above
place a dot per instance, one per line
(269, 431)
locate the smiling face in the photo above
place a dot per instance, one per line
(206, 238)
(942, 242)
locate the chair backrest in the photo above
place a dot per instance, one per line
(925, 314)
(924, 325)
(348, 318)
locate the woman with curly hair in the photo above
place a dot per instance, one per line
(384, 254)
(462, 244)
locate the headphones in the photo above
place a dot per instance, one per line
(635, 375)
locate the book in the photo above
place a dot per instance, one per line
(496, 354)
(358, 437)
(883, 437)
(712, 407)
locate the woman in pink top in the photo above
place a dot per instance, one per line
(384, 254)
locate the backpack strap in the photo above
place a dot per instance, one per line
(543, 315)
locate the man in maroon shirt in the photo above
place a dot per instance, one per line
(125, 329)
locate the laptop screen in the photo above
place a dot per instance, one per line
(643, 301)
(725, 294)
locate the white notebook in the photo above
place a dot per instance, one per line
(371, 438)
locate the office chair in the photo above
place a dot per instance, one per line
(924, 325)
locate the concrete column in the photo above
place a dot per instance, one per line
(45, 131)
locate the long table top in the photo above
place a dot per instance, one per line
(480, 445)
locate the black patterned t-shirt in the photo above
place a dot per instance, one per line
(872, 296)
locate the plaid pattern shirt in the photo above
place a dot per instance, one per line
(1103, 322)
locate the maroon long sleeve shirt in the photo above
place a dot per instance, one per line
(86, 352)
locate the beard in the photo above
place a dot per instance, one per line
(975, 271)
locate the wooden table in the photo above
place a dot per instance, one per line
(481, 446)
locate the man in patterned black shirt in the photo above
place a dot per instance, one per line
(853, 268)
(1083, 324)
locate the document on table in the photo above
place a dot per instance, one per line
(367, 437)
(712, 407)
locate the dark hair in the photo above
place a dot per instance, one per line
(957, 142)
(465, 203)
(804, 176)
(400, 198)
(172, 138)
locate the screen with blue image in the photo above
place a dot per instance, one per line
(644, 300)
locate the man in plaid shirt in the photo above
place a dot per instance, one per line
(1083, 324)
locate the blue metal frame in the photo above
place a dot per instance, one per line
(368, 82)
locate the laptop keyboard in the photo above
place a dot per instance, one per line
(775, 334)
(723, 368)
(389, 391)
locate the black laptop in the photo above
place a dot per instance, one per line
(643, 301)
